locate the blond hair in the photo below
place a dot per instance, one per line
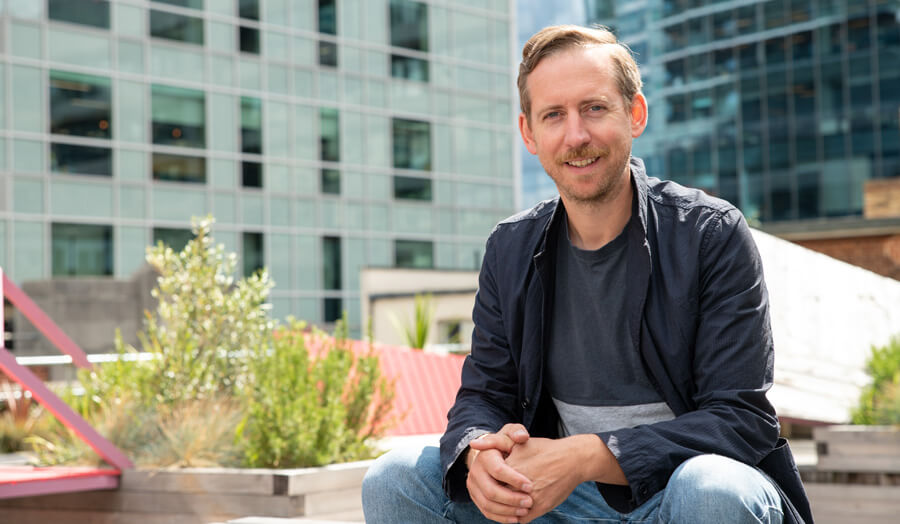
(553, 39)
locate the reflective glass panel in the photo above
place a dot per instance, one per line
(409, 68)
(79, 105)
(81, 250)
(331, 262)
(409, 24)
(249, 37)
(328, 54)
(179, 168)
(175, 238)
(85, 12)
(329, 135)
(194, 4)
(333, 309)
(412, 144)
(253, 253)
(179, 117)
(327, 17)
(331, 181)
(248, 9)
(251, 125)
(83, 160)
(173, 26)
(412, 188)
(251, 174)
(417, 254)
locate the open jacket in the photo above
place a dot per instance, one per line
(698, 311)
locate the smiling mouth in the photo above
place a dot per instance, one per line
(583, 162)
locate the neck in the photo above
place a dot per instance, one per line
(594, 224)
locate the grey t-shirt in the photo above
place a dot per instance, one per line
(595, 374)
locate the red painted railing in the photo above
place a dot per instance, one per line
(39, 391)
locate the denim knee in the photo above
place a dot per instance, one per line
(712, 488)
(404, 485)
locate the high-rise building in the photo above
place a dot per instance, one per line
(322, 135)
(785, 108)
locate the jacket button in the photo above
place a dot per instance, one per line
(524, 403)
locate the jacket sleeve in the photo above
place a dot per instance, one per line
(726, 411)
(487, 394)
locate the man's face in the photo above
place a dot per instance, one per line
(580, 127)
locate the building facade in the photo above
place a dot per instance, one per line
(323, 135)
(785, 109)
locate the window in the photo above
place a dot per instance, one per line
(173, 237)
(179, 168)
(82, 160)
(179, 116)
(409, 68)
(173, 26)
(81, 250)
(329, 135)
(331, 182)
(194, 4)
(253, 255)
(333, 309)
(331, 263)
(251, 125)
(85, 12)
(249, 39)
(328, 54)
(327, 17)
(251, 174)
(409, 24)
(411, 188)
(248, 9)
(79, 105)
(416, 254)
(412, 144)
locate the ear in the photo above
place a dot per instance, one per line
(527, 135)
(638, 115)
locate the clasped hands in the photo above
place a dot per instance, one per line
(516, 478)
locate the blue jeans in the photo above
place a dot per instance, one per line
(404, 486)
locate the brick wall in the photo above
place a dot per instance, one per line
(879, 254)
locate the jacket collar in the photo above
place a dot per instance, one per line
(639, 183)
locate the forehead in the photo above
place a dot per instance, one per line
(579, 71)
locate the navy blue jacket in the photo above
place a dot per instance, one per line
(699, 317)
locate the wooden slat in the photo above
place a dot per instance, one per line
(843, 503)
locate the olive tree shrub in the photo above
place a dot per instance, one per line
(224, 384)
(879, 402)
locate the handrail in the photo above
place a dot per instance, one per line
(42, 322)
(28, 380)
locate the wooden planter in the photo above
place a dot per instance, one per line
(857, 478)
(203, 496)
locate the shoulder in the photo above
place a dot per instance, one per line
(527, 224)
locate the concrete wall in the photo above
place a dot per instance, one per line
(387, 294)
(826, 315)
(88, 310)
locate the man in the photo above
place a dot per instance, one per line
(622, 348)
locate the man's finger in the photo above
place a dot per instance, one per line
(500, 471)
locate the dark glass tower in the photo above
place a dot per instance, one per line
(785, 108)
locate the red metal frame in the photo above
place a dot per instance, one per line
(72, 420)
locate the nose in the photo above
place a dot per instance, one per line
(576, 132)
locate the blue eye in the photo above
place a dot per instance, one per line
(551, 114)
(597, 108)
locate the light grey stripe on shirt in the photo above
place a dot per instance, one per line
(577, 420)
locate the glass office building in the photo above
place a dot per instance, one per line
(322, 135)
(785, 108)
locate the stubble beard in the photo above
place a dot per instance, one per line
(610, 181)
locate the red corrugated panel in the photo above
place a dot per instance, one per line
(425, 387)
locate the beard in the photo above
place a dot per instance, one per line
(602, 184)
